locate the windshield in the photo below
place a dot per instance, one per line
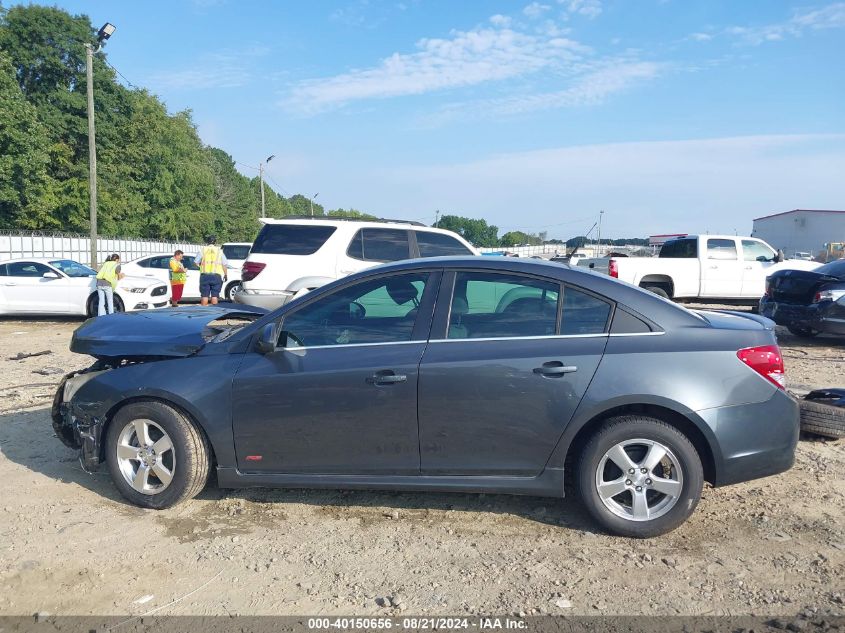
(72, 268)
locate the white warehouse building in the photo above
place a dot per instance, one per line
(801, 230)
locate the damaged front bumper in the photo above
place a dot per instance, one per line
(77, 426)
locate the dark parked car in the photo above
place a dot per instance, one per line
(807, 302)
(449, 374)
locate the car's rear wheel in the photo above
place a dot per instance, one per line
(156, 456)
(802, 331)
(231, 289)
(639, 477)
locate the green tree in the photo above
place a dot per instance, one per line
(26, 195)
(476, 232)
(518, 238)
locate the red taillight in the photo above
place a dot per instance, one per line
(766, 361)
(613, 269)
(250, 270)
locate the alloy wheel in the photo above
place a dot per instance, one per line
(639, 479)
(145, 456)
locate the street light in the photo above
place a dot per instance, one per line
(261, 177)
(312, 203)
(103, 34)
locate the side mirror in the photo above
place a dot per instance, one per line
(50, 275)
(763, 258)
(267, 341)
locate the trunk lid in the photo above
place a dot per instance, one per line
(172, 332)
(795, 286)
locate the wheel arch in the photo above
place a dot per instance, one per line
(576, 438)
(172, 402)
(661, 281)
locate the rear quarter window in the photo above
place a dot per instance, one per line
(379, 245)
(235, 251)
(439, 245)
(291, 239)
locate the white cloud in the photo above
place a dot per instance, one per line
(701, 37)
(226, 69)
(535, 9)
(467, 58)
(717, 184)
(500, 20)
(828, 17)
(593, 86)
(587, 8)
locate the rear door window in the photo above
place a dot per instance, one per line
(437, 245)
(379, 245)
(721, 249)
(291, 239)
(583, 313)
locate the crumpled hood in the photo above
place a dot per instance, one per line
(169, 332)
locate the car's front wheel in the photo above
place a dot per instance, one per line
(802, 330)
(639, 477)
(156, 456)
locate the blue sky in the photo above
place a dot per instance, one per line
(669, 115)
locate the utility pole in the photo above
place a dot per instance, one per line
(103, 34)
(436, 218)
(312, 203)
(601, 213)
(261, 178)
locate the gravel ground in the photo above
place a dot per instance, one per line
(71, 545)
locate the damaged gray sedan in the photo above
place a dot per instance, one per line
(446, 374)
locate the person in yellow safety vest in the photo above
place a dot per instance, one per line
(178, 276)
(107, 279)
(213, 264)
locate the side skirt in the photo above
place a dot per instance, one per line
(548, 484)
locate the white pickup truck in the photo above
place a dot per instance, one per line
(725, 267)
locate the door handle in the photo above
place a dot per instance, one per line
(555, 368)
(386, 377)
(10, 283)
(346, 272)
(714, 267)
(748, 267)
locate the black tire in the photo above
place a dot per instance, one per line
(633, 427)
(660, 292)
(231, 289)
(94, 301)
(822, 419)
(802, 331)
(191, 452)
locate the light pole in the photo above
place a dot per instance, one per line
(312, 203)
(103, 34)
(436, 218)
(261, 178)
(598, 253)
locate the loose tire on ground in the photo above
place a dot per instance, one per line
(660, 292)
(822, 419)
(639, 434)
(190, 458)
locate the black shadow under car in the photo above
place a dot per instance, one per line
(446, 374)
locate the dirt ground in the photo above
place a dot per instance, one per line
(71, 545)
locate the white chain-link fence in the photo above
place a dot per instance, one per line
(15, 244)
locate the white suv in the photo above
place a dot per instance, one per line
(292, 256)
